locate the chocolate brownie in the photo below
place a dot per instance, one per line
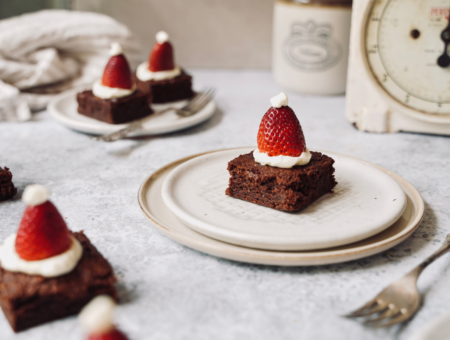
(168, 90)
(31, 300)
(7, 188)
(115, 110)
(277, 188)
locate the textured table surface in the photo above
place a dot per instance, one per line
(172, 292)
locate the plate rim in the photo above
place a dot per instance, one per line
(81, 126)
(264, 242)
(280, 258)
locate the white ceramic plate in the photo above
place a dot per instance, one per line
(64, 109)
(436, 329)
(153, 207)
(365, 202)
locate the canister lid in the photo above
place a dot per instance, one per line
(324, 2)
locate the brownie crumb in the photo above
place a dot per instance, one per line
(7, 188)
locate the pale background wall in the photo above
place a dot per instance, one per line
(205, 33)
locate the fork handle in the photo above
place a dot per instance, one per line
(122, 133)
(437, 254)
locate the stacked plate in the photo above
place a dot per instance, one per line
(370, 211)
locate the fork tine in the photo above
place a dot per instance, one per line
(381, 307)
(374, 303)
(192, 101)
(392, 311)
(209, 95)
(201, 103)
(198, 98)
(394, 319)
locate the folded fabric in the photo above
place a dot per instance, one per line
(46, 52)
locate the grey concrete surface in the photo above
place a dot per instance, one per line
(172, 292)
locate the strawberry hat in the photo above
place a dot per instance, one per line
(42, 233)
(117, 72)
(280, 132)
(161, 57)
(97, 318)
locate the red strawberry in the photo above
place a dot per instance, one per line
(114, 334)
(161, 58)
(42, 233)
(280, 133)
(117, 73)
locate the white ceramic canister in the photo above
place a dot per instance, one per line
(311, 44)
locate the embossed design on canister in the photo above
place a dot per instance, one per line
(311, 46)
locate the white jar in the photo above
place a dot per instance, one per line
(310, 45)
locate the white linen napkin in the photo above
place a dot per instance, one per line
(47, 52)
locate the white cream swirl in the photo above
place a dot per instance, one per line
(106, 92)
(282, 161)
(144, 74)
(53, 266)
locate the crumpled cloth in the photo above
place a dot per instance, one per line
(47, 52)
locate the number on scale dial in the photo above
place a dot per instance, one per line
(406, 46)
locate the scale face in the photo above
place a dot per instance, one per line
(399, 68)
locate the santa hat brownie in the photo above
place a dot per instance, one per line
(161, 57)
(117, 72)
(97, 319)
(42, 233)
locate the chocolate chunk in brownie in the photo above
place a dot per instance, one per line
(168, 90)
(31, 300)
(7, 188)
(115, 110)
(277, 188)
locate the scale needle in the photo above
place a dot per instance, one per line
(444, 60)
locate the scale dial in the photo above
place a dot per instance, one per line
(403, 44)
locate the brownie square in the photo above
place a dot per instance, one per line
(115, 110)
(31, 300)
(7, 188)
(277, 188)
(169, 90)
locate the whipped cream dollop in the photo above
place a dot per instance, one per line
(162, 37)
(53, 266)
(282, 161)
(279, 100)
(97, 316)
(35, 194)
(144, 74)
(115, 49)
(106, 92)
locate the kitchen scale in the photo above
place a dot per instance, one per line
(399, 66)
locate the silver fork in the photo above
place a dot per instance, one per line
(400, 300)
(200, 100)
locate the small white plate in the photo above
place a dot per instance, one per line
(365, 202)
(436, 329)
(64, 109)
(153, 207)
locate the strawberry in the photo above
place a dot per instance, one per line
(42, 233)
(280, 133)
(161, 58)
(114, 334)
(117, 73)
